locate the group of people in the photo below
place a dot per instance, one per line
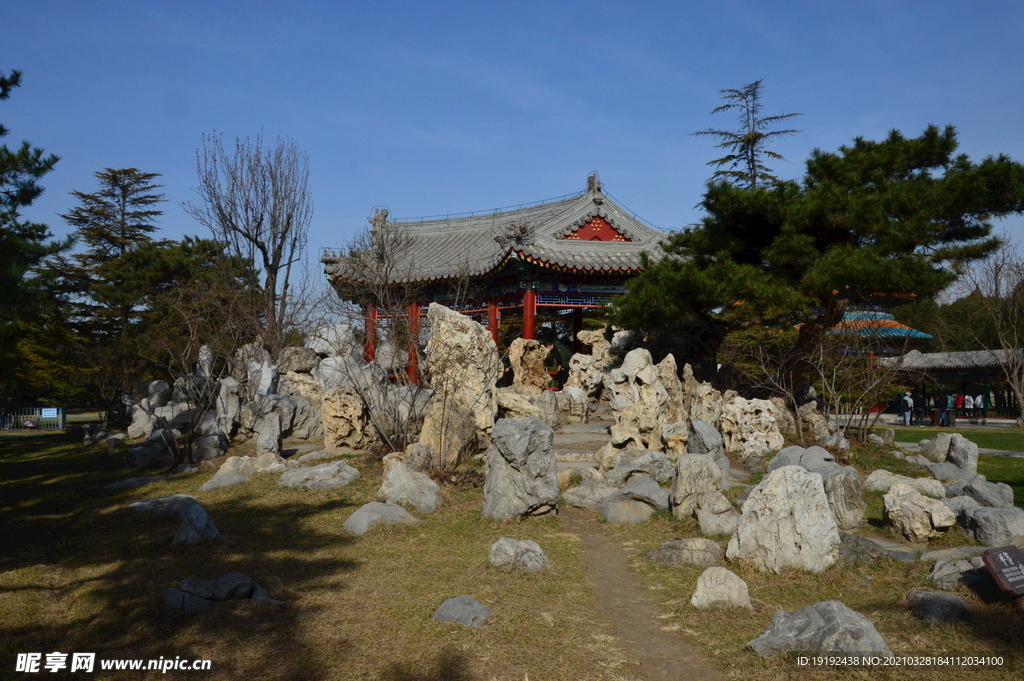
(945, 405)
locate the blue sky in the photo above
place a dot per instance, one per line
(433, 108)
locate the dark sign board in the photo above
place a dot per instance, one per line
(1006, 564)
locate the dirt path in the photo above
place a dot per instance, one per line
(624, 604)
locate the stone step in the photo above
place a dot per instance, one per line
(573, 428)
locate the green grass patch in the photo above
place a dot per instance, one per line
(1011, 439)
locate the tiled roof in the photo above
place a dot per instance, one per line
(474, 245)
(876, 323)
(972, 359)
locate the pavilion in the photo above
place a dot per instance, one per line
(563, 258)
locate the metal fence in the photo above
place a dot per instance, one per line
(33, 418)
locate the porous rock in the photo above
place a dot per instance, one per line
(786, 522)
(513, 553)
(915, 516)
(695, 476)
(718, 587)
(741, 418)
(826, 627)
(527, 357)
(630, 462)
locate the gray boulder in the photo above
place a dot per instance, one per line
(705, 439)
(196, 524)
(946, 470)
(720, 588)
(644, 489)
(963, 453)
(937, 449)
(814, 459)
(142, 423)
(301, 360)
(338, 340)
(513, 553)
(522, 477)
(402, 485)
(269, 440)
(996, 526)
(882, 480)
(716, 515)
(995, 494)
(158, 450)
(156, 393)
(202, 594)
(845, 499)
(947, 574)
(828, 627)
(629, 462)
(223, 480)
(324, 476)
(235, 470)
(465, 610)
(695, 476)
(375, 512)
(619, 510)
(961, 507)
(937, 607)
(854, 550)
(209, 447)
(270, 462)
(135, 482)
(588, 496)
(693, 551)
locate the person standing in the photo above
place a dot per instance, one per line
(908, 407)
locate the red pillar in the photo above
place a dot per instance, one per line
(492, 319)
(414, 340)
(577, 326)
(371, 333)
(529, 313)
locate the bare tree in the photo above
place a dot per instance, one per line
(256, 200)
(996, 286)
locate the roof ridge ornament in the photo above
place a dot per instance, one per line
(379, 218)
(516, 233)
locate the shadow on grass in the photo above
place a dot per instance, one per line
(81, 573)
(451, 665)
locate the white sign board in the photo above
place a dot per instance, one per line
(50, 413)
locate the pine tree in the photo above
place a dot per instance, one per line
(746, 147)
(23, 245)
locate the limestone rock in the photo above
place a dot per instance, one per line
(513, 403)
(854, 550)
(937, 449)
(637, 383)
(947, 574)
(323, 476)
(209, 447)
(786, 522)
(706, 404)
(368, 515)
(620, 510)
(630, 462)
(916, 516)
(827, 627)
(695, 476)
(142, 423)
(156, 394)
(527, 357)
(937, 607)
(158, 450)
(741, 418)
(269, 378)
(814, 459)
(718, 587)
(995, 494)
(269, 462)
(521, 470)
(716, 515)
(346, 420)
(403, 485)
(963, 453)
(229, 406)
(784, 418)
(513, 553)
(675, 439)
(584, 375)
(694, 551)
(223, 480)
(814, 421)
(234, 471)
(882, 480)
(465, 610)
(269, 440)
(996, 526)
(299, 360)
(643, 488)
(705, 439)
(588, 496)
(946, 470)
(961, 507)
(338, 340)
(573, 403)
(196, 524)
(842, 487)
(464, 367)
(675, 409)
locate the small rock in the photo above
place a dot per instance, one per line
(882, 480)
(200, 594)
(854, 550)
(135, 482)
(588, 496)
(963, 453)
(914, 515)
(827, 627)
(196, 524)
(693, 551)
(938, 607)
(223, 480)
(324, 476)
(716, 515)
(720, 588)
(270, 462)
(463, 609)
(996, 526)
(375, 512)
(948, 573)
(402, 485)
(645, 489)
(525, 554)
(625, 511)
